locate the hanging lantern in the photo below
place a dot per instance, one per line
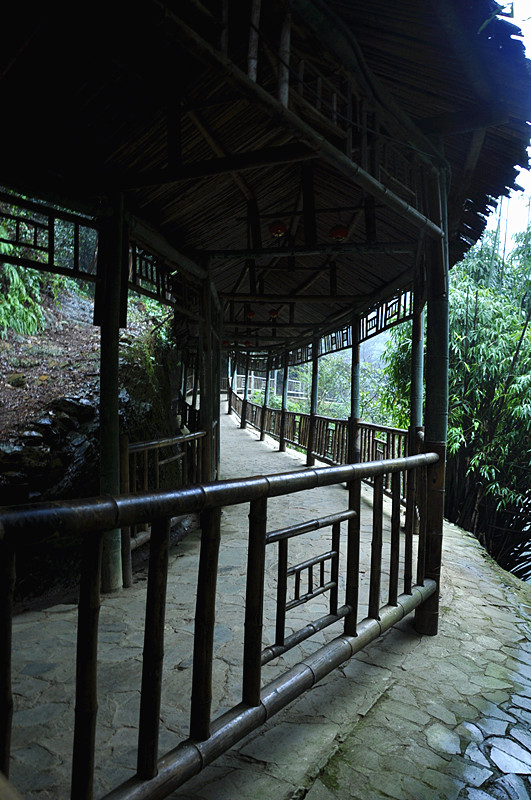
(278, 229)
(273, 313)
(249, 313)
(225, 343)
(339, 233)
(247, 343)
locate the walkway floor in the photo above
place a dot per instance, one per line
(409, 718)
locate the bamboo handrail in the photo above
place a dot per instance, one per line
(91, 517)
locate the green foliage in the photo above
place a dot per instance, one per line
(489, 435)
(20, 298)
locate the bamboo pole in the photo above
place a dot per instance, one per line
(282, 586)
(7, 587)
(353, 556)
(266, 400)
(395, 539)
(252, 59)
(284, 57)
(205, 617)
(310, 458)
(127, 569)
(243, 420)
(86, 709)
(376, 549)
(282, 435)
(109, 308)
(254, 601)
(153, 657)
(436, 414)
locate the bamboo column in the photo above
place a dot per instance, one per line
(266, 400)
(310, 459)
(113, 250)
(243, 421)
(283, 57)
(7, 587)
(252, 60)
(232, 382)
(436, 415)
(149, 723)
(415, 403)
(86, 709)
(282, 435)
(205, 617)
(354, 449)
(254, 601)
(207, 385)
(127, 568)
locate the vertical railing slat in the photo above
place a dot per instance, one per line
(153, 657)
(86, 709)
(376, 548)
(254, 601)
(282, 586)
(7, 586)
(334, 567)
(205, 619)
(395, 539)
(353, 557)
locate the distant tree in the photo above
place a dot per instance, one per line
(489, 436)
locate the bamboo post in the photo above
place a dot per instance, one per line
(232, 383)
(283, 57)
(284, 408)
(7, 587)
(243, 421)
(353, 557)
(252, 60)
(436, 415)
(395, 539)
(376, 548)
(254, 601)
(112, 253)
(310, 458)
(205, 617)
(334, 567)
(416, 399)
(127, 569)
(153, 657)
(282, 587)
(86, 709)
(354, 449)
(266, 400)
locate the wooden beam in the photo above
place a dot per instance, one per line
(311, 299)
(387, 248)
(239, 162)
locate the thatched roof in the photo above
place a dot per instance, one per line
(153, 99)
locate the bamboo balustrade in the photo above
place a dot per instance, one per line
(330, 439)
(297, 585)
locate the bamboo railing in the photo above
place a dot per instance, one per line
(297, 584)
(330, 437)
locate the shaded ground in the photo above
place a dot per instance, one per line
(61, 361)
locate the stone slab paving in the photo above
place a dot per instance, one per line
(407, 718)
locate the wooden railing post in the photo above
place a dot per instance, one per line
(205, 617)
(127, 569)
(282, 435)
(310, 458)
(436, 415)
(86, 709)
(254, 603)
(266, 400)
(148, 727)
(7, 586)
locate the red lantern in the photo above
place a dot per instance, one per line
(339, 233)
(249, 314)
(225, 343)
(273, 313)
(247, 344)
(278, 229)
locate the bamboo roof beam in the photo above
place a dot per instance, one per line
(302, 131)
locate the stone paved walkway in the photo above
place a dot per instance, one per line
(409, 718)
